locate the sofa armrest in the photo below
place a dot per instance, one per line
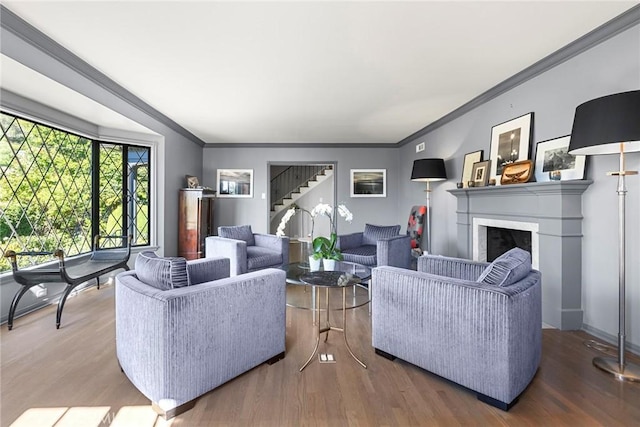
(235, 250)
(349, 241)
(451, 267)
(275, 243)
(394, 251)
(208, 269)
(178, 344)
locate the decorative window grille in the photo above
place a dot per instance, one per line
(58, 189)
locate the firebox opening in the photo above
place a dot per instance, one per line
(500, 240)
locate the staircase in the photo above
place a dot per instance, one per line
(294, 182)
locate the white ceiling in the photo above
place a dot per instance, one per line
(319, 72)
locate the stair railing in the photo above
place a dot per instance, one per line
(292, 179)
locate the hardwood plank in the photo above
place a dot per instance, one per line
(71, 375)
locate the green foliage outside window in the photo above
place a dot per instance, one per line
(46, 191)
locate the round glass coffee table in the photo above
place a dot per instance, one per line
(352, 278)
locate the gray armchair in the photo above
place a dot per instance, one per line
(476, 324)
(377, 246)
(246, 250)
(185, 328)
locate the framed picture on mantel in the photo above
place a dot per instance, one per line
(467, 166)
(510, 143)
(553, 161)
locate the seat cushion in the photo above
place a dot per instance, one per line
(237, 232)
(162, 273)
(373, 233)
(507, 269)
(259, 257)
(365, 255)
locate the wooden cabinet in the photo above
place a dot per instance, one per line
(195, 221)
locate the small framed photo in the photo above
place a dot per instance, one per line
(480, 173)
(235, 182)
(510, 143)
(368, 183)
(467, 166)
(553, 161)
(192, 181)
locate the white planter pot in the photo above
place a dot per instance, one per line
(329, 264)
(314, 264)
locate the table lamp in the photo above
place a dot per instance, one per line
(427, 170)
(611, 125)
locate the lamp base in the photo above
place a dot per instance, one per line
(630, 372)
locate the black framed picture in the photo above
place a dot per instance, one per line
(510, 143)
(553, 161)
(480, 173)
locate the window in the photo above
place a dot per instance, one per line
(58, 189)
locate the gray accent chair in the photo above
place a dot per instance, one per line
(185, 328)
(376, 246)
(476, 324)
(248, 251)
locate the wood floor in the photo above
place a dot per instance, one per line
(70, 377)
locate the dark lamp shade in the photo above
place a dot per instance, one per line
(428, 170)
(602, 124)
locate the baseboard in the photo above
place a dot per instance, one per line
(610, 339)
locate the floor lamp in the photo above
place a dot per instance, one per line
(611, 125)
(427, 170)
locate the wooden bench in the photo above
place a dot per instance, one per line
(101, 261)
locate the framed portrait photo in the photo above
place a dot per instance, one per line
(480, 173)
(467, 166)
(510, 143)
(553, 155)
(368, 183)
(235, 182)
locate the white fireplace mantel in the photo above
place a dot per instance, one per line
(553, 212)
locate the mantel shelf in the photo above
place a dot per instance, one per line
(554, 187)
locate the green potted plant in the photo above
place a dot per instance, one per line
(326, 250)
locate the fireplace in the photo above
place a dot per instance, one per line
(492, 237)
(551, 212)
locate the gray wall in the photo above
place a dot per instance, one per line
(610, 67)
(254, 211)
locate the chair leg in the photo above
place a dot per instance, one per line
(63, 299)
(14, 304)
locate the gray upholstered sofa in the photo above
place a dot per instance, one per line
(476, 324)
(184, 328)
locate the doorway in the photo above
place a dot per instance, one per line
(304, 184)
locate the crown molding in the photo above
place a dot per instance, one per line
(604, 32)
(45, 44)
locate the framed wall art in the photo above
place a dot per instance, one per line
(235, 182)
(480, 173)
(467, 166)
(368, 183)
(510, 143)
(553, 161)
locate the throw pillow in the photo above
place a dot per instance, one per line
(507, 269)
(238, 232)
(162, 273)
(373, 233)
